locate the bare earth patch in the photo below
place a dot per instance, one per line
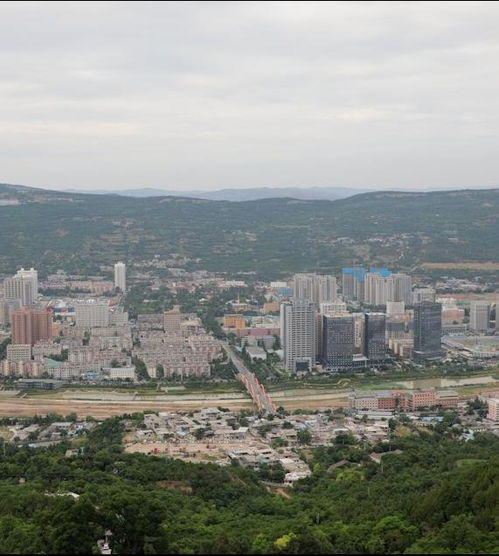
(464, 265)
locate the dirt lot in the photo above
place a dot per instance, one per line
(102, 409)
(465, 265)
(491, 297)
(196, 452)
(98, 409)
(10, 407)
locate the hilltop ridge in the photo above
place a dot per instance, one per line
(82, 231)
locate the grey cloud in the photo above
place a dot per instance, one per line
(203, 95)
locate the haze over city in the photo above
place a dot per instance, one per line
(191, 95)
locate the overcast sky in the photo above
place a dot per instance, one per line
(211, 95)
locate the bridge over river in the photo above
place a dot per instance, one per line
(255, 389)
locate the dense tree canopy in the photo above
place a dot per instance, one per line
(435, 494)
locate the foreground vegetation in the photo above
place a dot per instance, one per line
(438, 495)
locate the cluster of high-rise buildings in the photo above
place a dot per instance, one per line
(317, 288)
(317, 328)
(93, 338)
(35, 336)
(29, 323)
(359, 321)
(20, 290)
(376, 286)
(336, 339)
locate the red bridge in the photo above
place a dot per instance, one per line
(255, 389)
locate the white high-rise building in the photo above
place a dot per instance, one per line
(379, 289)
(376, 288)
(326, 288)
(319, 288)
(479, 316)
(303, 286)
(23, 286)
(120, 276)
(298, 334)
(32, 275)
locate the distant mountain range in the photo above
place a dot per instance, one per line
(250, 194)
(274, 237)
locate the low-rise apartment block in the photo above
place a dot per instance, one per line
(403, 400)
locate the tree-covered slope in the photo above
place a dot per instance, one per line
(439, 495)
(79, 232)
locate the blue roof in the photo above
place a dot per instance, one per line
(384, 272)
(358, 272)
(284, 291)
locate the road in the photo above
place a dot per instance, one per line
(253, 386)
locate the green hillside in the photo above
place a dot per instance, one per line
(433, 494)
(79, 232)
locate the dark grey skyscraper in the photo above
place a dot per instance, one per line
(338, 344)
(427, 330)
(374, 337)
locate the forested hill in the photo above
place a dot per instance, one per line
(432, 494)
(79, 232)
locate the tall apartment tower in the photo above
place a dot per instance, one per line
(375, 337)
(20, 287)
(427, 330)
(298, 332)
(352, 281)
(347, 284)
(338, 341)
(402, 288)
(120, 276)
(382, 287)
(303, 286)
(479, 316)
(315, 287)
(376, 289)
(171, 321)
(32, 275)
(30, 325)
(326, 289)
